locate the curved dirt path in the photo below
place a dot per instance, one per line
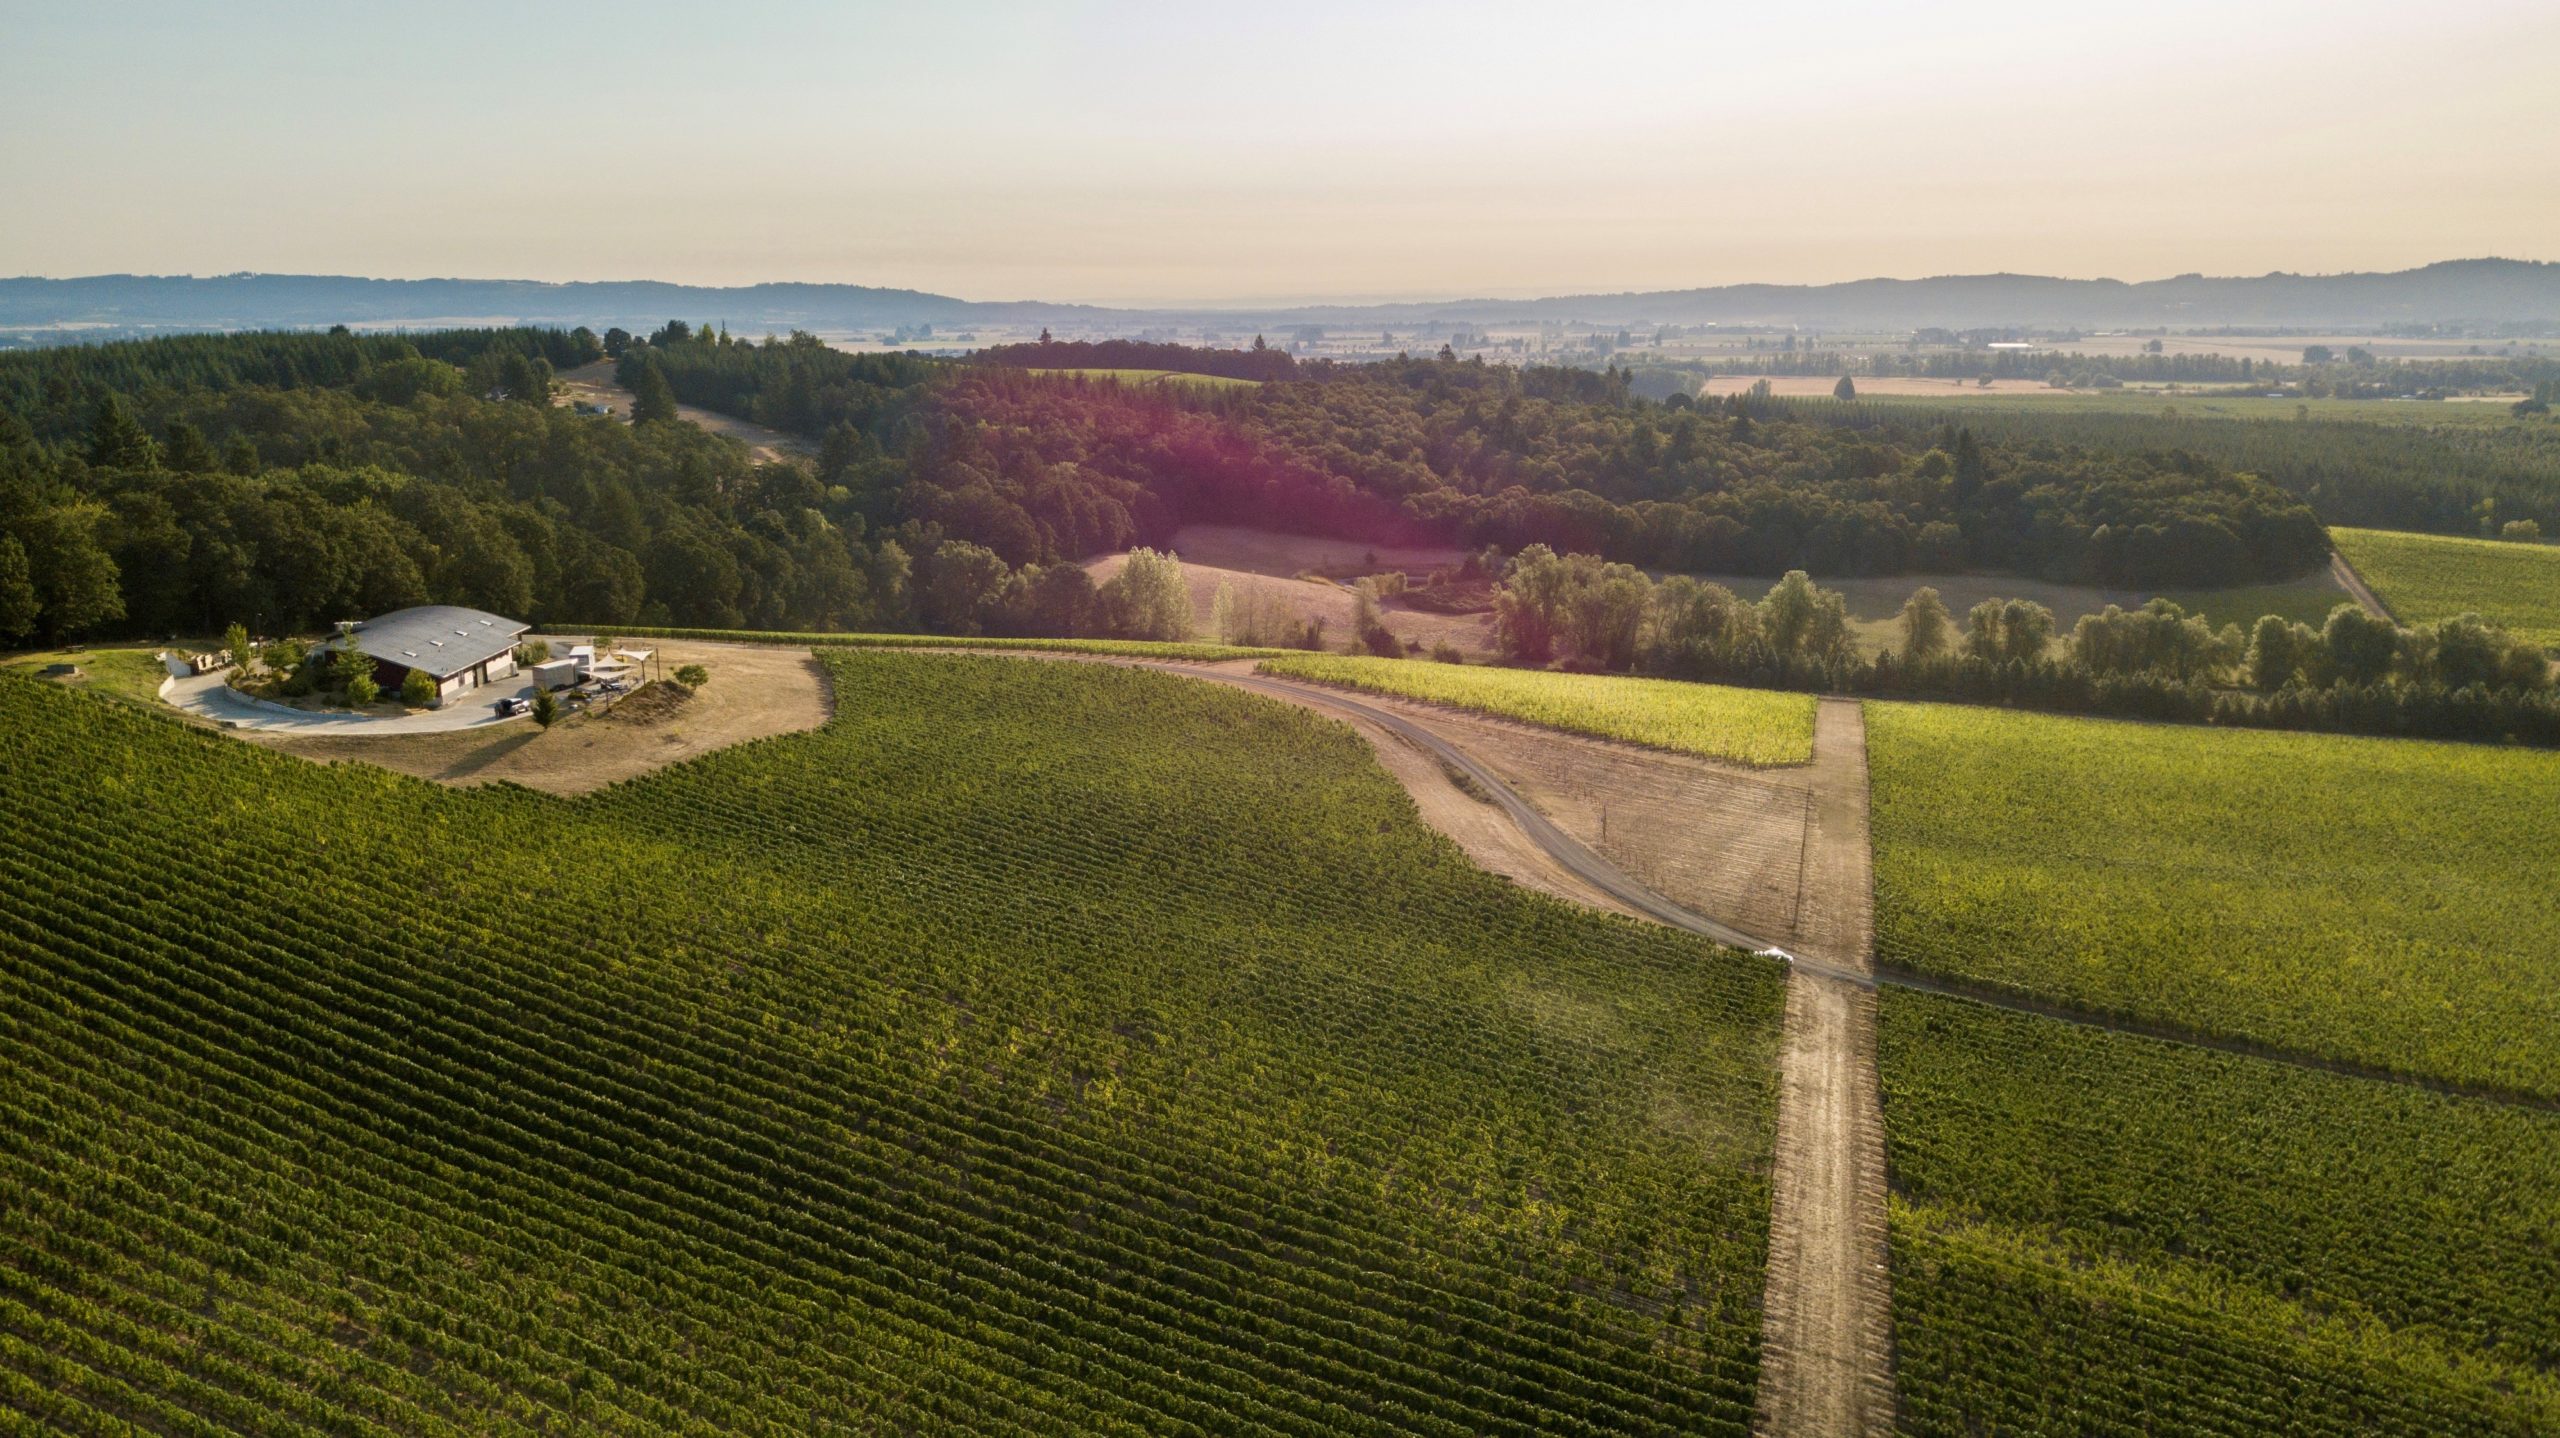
(1827, 1342)
(595, 384)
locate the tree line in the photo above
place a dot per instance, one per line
(2456, 678)
(1259, 362)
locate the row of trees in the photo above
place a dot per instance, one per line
(1260, 362)
(965, 588)
(2155, 661)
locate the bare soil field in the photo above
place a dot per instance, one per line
(1311, 598)
(1260, 551)
(755, 691)
(594, 384)
(1721, 840)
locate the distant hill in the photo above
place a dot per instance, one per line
(2487, 291)
(249, 301)
(2491, 291)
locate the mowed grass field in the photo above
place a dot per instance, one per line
(1034, 1049)
(2426, 577)
(132, 672)
(2380, 902)
(2102, 1233)
(1759, 727)
(2304, 601)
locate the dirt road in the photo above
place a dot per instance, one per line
(1827, 1342)
(595, 384)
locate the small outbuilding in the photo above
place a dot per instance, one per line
(456, 647)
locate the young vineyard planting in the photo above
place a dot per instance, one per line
(2426, 577)
(1035, 1049)
(2098, 1233)
(1746, 726)
(2383, 903)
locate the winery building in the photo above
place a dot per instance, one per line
(458, 648)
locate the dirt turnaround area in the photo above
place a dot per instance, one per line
(755, 690)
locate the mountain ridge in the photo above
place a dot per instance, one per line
(2468, 291)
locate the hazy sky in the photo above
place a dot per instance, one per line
(1207, 151)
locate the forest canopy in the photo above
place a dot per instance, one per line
(286, 480)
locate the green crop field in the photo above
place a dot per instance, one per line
(1745, 726)
(2095, 1233)
(1033, 1049)
(2384, 902)
(2425, 577)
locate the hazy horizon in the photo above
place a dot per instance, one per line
(1136, 155)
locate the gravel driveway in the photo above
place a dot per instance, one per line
(208, 696)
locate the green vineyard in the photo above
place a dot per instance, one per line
(2424, 577)
(1744, 726)
(1034, 1049)
(2096, 1233)
(2380, 902)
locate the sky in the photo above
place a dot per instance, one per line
(1209, 152)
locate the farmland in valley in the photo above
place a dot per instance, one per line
(2376, 902)
(1746, 726)
(2425, 577)
(2101, 1233)
(1034, 1048)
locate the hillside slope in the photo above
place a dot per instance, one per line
(1036, 1048)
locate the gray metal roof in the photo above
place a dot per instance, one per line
(442, 639)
